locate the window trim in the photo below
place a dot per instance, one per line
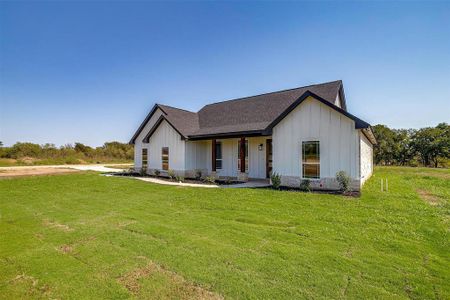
(303, 159)
(163, 158)
(219, 166)
(144, 165)
(246, 155)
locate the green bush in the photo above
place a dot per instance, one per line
(171, 174)
(179, 178)
(198, 174)
(275, 178)
(344, 181)
(157, 172)
(210, 179)
(305, 185)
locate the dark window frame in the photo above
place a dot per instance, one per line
(246, 156)
(144, 156)
(311, 161)
(219, 155)
(165, 158)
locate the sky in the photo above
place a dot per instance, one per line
(91, 71)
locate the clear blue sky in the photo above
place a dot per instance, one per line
(91, 71)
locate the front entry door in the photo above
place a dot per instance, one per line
(268, 158)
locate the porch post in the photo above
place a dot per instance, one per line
(213, 155)
(242, 154)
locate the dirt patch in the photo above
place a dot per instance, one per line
(57, 225)
(34, 171)
(429, 197)
(65, 249)
(184, 288)
(34, 289)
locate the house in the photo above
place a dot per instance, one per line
(300, 133)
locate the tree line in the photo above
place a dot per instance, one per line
(429, 147)
(30, 153)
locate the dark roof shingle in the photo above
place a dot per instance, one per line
(249, 114)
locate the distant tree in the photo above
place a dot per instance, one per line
(384, 150)
(403, 151)
(1, 144)
(24, 150)
(432, 144)
(79, 147)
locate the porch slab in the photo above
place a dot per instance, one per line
(249, 184)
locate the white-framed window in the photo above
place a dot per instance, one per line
(246, 156)
(311, 159)
(218, 155)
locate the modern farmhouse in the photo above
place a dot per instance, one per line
(301, 133)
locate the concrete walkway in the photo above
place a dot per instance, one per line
(91, 167)
(165, 182)
(248, 184)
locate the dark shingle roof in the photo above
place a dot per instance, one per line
(184, 121)
(255, 114)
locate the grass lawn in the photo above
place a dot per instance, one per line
(88, 236)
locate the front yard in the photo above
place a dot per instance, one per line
(87, 236)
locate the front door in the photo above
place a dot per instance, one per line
(268, 158)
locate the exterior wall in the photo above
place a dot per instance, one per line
(366, 157)
(166, 136)
(198, 156)
(138, 145)
(339, 144)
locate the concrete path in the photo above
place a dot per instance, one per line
(165, 182)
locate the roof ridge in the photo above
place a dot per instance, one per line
(280, 91)
(159, 104)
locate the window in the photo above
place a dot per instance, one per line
(218, 155)
(144, 158)
(246, 156)
(311, 159)
(165, 158)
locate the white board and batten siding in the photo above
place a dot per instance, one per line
(138, 144)
(164, 136)
(315, 121)
(366, 152)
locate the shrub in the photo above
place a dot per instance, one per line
(344, 181)
(179, 178)
(157, 172)
(305, 185)
(142, 172)
(210, 179)
(275, 178)
(171, 174)
(198, 174)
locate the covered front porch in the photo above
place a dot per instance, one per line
(242, 158)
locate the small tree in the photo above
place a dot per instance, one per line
(275, 178)
(344, 181)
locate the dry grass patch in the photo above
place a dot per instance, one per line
(428, 197)
(26, 171)
(181, 288)
(57, 225)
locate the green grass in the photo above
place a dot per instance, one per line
(88, 236)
